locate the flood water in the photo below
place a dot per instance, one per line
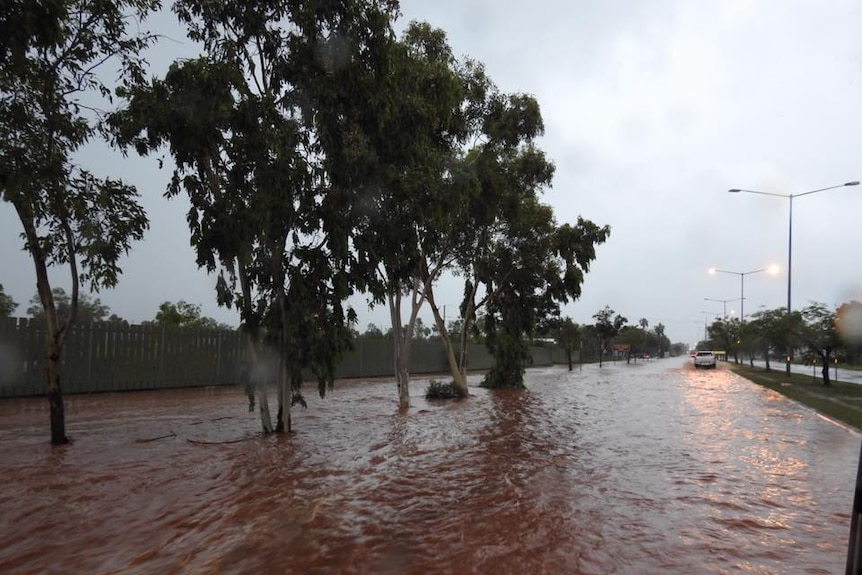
(647, 468)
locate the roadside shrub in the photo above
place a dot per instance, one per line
(439, 390)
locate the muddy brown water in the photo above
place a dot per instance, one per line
(647, 468)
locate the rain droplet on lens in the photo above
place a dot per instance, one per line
(849, 322)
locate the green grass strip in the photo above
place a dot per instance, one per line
(840, 401)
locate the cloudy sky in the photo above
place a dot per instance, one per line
(653, 110)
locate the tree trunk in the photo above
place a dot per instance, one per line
(767, 360)
(259, 382)
(402, 352)
(458, 374)
(825, 372)
(255, 345)
(569, 357)
(55, 397)
(263, 408)
(285, 398)
(55, 334)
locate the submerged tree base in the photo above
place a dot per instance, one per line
(506, 377)
(500, 384)
(439, 390)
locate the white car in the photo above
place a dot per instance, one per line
(704, 359)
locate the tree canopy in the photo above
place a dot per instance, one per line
(52, 80)
(184, 314)
(90, 309)
(608, 324)
(7, 304)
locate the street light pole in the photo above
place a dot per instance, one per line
(790, 237)
(722, 301)
(771, 269)
(705, 332)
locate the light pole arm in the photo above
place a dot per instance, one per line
(737, 190)
(824, 189)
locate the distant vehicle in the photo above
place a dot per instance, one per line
(704, 359)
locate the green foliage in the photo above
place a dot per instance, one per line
(635, 338)
(678, 348)
(820, 336)
(566, 332)
(90, 310)
(373, 332)
(508, 346)
(184, 314)
(266, 133)
(7, 304)
(773, 331)
(439, 390)
(726, 335)
(662, 343)
(69, 215)
(52, 60)
(607, 327)
(509, 242)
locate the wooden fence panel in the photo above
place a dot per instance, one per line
(107, 357)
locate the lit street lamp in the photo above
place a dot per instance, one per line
(723, 301)
(790, 234)
(771, 269)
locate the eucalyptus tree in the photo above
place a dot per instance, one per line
(590, 343)
(260, 131)
(633, 336)
(185, 314)
(518, 264)
(821, 337)
(54, 61)
(568, 336)
(775, 330)
(662, 341)
(416, 130)
(564, 331)
(727, 334)
(534, 267)
(89, 309)
(608, 325)
(7, 304)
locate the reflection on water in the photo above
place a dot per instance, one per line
(648, 468)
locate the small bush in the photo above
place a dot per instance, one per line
(439, 390)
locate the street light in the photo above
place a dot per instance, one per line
(705, 337)
(771, 269)
(790, 234)
(723, 301)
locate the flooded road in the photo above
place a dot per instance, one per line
(647, 468)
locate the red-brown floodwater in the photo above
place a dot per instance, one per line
(647, 468)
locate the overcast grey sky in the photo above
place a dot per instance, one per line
(653, 110)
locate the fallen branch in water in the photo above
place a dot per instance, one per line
(171, 434)
(211, 420)
(218, 442)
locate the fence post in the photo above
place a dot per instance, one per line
(218, 358)
(162, 355)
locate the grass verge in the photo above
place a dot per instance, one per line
(840, 401)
